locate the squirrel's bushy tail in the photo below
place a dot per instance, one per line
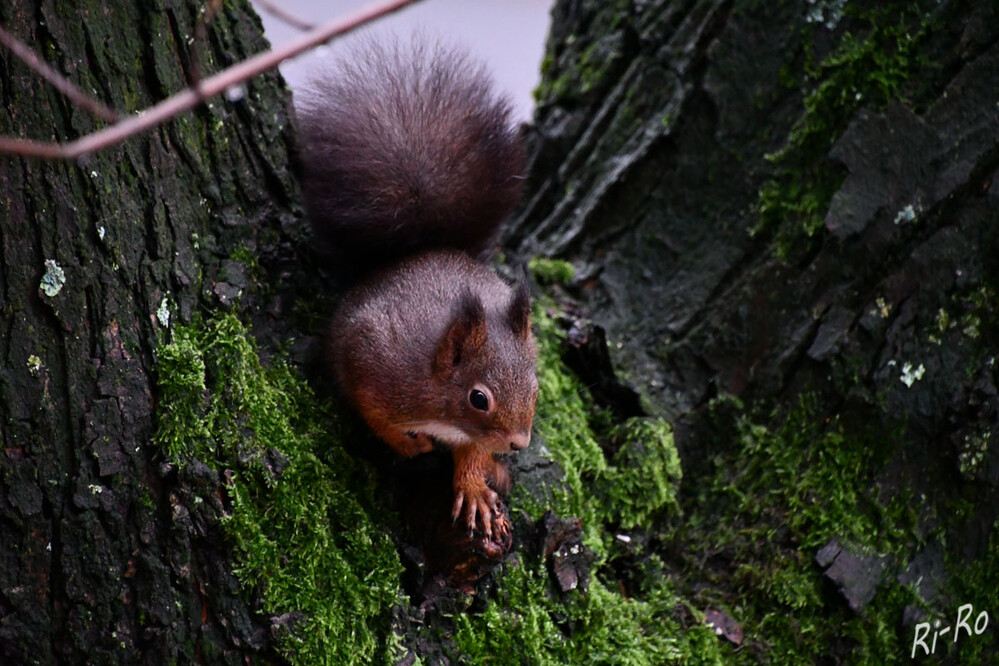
(406, 148)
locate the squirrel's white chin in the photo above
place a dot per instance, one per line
(445, 432)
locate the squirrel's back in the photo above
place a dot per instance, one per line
(406, 148)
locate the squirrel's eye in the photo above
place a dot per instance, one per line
(479, 400)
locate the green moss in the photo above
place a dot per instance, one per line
(594, 64)
(303, 521)
(582, 67)
(776, 496)
(524, 623)
(550, 91)
(247, 256)
(870, 70)
(552, 271)
(811, 471)
(780, 486)
(563, 421)
(641, 478)
(976, 584)
(644, 476)
(813, 476)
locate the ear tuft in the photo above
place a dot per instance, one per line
(519, 311)
(465, 335)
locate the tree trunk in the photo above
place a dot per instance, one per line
(106, 556)
(782, 213)
(793, 204)
(804, 195)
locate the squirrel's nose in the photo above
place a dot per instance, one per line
(520, 440)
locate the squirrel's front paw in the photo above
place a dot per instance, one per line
(478, 501)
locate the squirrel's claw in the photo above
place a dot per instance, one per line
(502, 528)
(477, 478)
(459, 501)
(487, 520)
(479, 505)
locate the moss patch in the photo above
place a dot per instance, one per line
(526, 625)
(619, 474)
(304, 521)
(640, 484)
(781, 486)
(311, 537)
(977, 585)
(776, 496)
(870, 67)
(552, 271)
(617, 477)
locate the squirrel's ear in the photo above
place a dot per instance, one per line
(464, 337)
(519, 312)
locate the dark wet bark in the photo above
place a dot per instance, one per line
(650, 156)
(739, 229)
(106, 555)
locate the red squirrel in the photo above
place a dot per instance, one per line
(410, 165)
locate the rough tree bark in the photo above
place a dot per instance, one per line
(105, 556)
(762, 200)
(804, 197)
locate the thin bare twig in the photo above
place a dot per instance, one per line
(281, 14)
(190, 97)
(58, 81)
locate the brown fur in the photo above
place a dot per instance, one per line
(410, 163)
(407, 148)
(410, 343)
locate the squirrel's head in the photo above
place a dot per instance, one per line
(485, 367)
